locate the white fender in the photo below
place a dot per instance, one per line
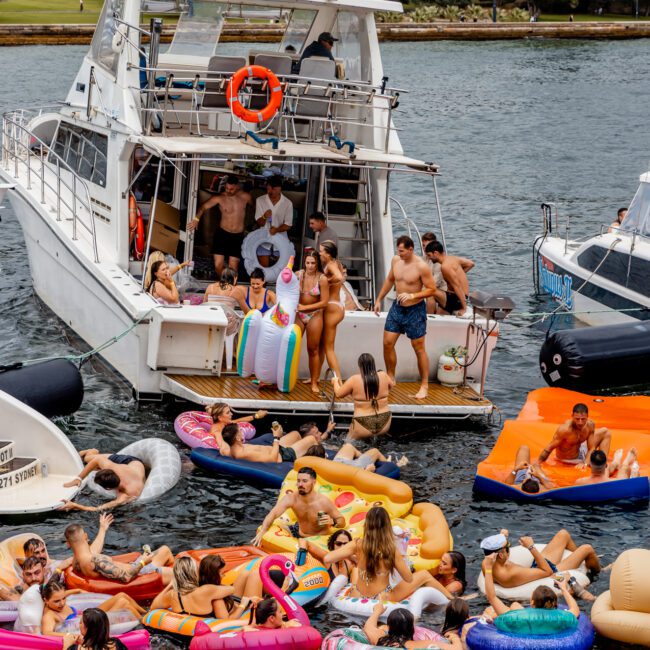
(522, 556)
(253, 241)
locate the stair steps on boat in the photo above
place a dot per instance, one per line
(18, 471)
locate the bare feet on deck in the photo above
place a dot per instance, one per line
(423, 392)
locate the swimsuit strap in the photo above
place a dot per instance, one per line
(180, 602)
(264, 303)
(248, 297)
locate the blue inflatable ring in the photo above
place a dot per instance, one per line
(485, 636)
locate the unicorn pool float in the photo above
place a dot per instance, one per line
(269, 344)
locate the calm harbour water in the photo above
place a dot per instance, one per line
(511, 124)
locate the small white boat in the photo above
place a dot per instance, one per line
(604, 279)
(36, 459)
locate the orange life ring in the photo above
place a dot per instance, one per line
(136, 224)
(235, 83)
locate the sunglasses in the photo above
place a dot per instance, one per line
(340, 543)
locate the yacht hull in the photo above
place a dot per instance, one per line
(593, 299)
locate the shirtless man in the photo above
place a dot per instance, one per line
(229, 235)
(91, 563)
(120, 472)
(527, 477)
(307, 505)
(276, 453)
(601, 472)
(414, 283)
(33, 574)
(454, 271)
(508, 574)
(577, 438)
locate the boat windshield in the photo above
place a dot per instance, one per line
(297, 30)
(638, 216)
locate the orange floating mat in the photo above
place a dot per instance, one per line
(555, 405)
(628, 419)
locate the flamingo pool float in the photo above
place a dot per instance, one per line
(304, 637)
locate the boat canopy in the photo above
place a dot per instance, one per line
(638, 215)
(230, 148)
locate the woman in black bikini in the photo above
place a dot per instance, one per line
(370, 391)
(336, 540)
(184, 595)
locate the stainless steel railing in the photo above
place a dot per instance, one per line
(179, 98)
(21, 146)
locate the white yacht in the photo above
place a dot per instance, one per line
(152, 126)
(605, 279)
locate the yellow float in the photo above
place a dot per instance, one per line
(623, 612)
(11, 549)
(354, 491)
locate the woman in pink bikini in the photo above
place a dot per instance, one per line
(314, 294)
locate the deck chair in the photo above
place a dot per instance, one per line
(313, 97)
(220, 69)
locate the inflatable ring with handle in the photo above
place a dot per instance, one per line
(275, 91)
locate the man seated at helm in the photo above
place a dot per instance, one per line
(273, 211)
(120, 472)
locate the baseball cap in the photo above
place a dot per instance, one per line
(327, 37)
(494, 543)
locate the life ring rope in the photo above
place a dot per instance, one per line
(237, 81)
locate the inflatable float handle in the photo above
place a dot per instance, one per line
(290, 606)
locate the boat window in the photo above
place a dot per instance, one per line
(198, 30)
(297, 30)
(348, 30)
(101, 48)
(84, 151)
(144, 187)
(615, 268)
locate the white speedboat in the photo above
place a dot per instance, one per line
(605, 279)
(36, 459)
(156, 126)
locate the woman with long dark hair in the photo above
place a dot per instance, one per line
(162, 287)
(226, 291)
(369, 390)
(95, 633)
(314, 296)
(334, 311)
(377, 558)
(451, 572)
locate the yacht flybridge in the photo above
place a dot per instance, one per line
(154, 127)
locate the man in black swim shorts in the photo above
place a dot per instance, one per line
(229, 235)
(413, 281)
(122, 473)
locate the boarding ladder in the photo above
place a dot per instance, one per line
(346, 201)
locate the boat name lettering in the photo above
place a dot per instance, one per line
(6, 481)
(557, 284)
(24, 474)
(4, 456)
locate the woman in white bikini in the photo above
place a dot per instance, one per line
(314, 294)
(226, 291)
(334, 310)
(378, 560)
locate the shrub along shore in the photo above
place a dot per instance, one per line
(403, 31)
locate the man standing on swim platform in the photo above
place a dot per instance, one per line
(229, 235)
(413, 281)
(315, 512)
(120, 472)
(577, 438)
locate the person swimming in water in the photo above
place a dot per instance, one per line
(120, 472)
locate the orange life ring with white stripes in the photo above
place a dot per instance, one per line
(235, 83)
(136, 225)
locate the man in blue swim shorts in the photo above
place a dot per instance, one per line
(413, 281)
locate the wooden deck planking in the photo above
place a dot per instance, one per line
(233, 387)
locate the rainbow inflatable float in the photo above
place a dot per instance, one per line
(628, 419)
(269, 344)
(354, 492)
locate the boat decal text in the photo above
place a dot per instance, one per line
(557, 284)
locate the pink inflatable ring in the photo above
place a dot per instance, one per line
(193, 428)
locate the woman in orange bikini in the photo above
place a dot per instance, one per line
(369, 390)
(314, 294)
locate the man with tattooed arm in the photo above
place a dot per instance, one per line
(91, 563)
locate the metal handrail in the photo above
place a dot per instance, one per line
(409, 222)
(13, 139)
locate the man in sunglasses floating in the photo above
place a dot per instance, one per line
(508, 574)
